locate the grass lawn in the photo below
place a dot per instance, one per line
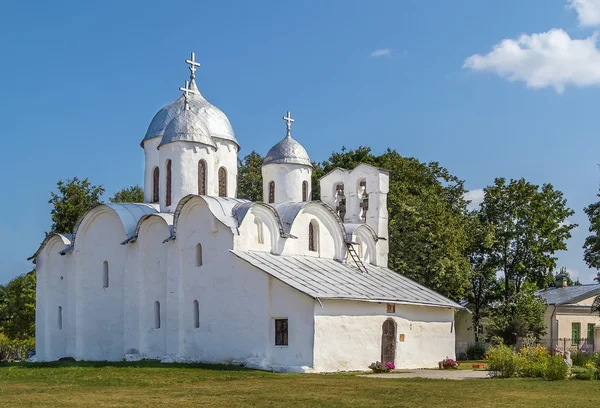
(150, 384)
(468, 365)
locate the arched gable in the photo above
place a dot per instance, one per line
(166, 217)
(363, 233)
(353, 229)
(129, 215)
(220, 207)
(241, 210)
(65, 238)
(289, 211)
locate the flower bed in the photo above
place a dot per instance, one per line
(450, 364)
(380, 367)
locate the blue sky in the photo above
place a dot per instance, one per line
(80, 82)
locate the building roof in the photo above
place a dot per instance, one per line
(330, 279)
(187, 126)
(288, 151)
(569, 294)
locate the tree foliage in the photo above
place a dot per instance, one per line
(133, 194)
(17, 307)
(73, 198)
(250, 185)
(529, 225)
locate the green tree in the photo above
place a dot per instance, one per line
(564, 273)
(17, 307)
(250, 177)
(74, 197)
(522, 316)
(133, 194)
(529, 225)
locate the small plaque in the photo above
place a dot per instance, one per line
(402, 337)
(391, 308)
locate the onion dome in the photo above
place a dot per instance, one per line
(288, 151)
(187, 126)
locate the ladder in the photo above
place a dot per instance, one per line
(361, 267)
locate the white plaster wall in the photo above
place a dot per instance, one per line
(348, 335)
(464, 327)
(152, 286)
(184, 158)
(329, 236)
(99, 310)
(151, 157)
(225, 156)
(288, 180)
(247, 239)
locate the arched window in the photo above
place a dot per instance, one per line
(157, 315)
(196, 314)
(222, 182)
(198, 255)
(59, 322)
(305, 190)
(168, 198)
(260, 238)
(202, 177)
(105, 280)
(271, 192)
(313, 236)
(155, 185)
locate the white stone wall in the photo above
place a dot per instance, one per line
(348, 335)
(151, 160)
(288, 180)
(225, 156)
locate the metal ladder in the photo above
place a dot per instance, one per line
(361, 267)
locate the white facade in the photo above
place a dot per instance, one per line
(177, 281)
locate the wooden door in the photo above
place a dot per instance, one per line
(388, 341)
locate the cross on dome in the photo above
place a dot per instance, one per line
(289, 121)
(193, 64)
(186, 93)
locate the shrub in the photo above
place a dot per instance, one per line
(501, 361)
(476, 351)
(379, 367)
(557, 368)
(532, 362)
(581, 358)
(448, 363)
(583, 373)
(14, 349)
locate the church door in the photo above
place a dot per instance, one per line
(388, 341)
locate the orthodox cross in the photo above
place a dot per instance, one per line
(193, 64)
(289, 121)
(186, 93)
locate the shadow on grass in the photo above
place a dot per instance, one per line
(124, 364)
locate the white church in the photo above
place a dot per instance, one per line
(195, 274)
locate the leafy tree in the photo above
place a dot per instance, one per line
(529, 225)
(74, 197)
(133, 194)
(522, 316)
(17, 307)
(564, 272)
(250, 185)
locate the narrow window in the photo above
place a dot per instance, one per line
(196, 314)
(59, 318)
(575, 333)
(202, 177)
(222, 182)
(281, 332)
(313, 237)
(259, 231)
(271, 192)
(198, 255)
(305, 190)
(590, 333)
(157, 315)
(168, 198)
(155, 185)
(105, 274)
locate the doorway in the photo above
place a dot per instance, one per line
(388, 341)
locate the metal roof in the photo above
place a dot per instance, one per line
(330, 279)
(187, 126)
(569, 294)
(288, 151)
(66, 239)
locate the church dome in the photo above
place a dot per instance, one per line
(212, 117)
(288, 151)
(187, 126)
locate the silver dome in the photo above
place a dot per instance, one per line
(215, 120)
(187, 126)
(288, 151)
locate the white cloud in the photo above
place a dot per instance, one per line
(383, 52)
(475, 197)
(588, 11)
(551, 59)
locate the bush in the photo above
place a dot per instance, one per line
(583, 373)
(581, 358)
(533, 362)
(501, 361)
(557, 368)
(476, 351)
(11, 350)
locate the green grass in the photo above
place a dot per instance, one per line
(468, 365)
(150, 384)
